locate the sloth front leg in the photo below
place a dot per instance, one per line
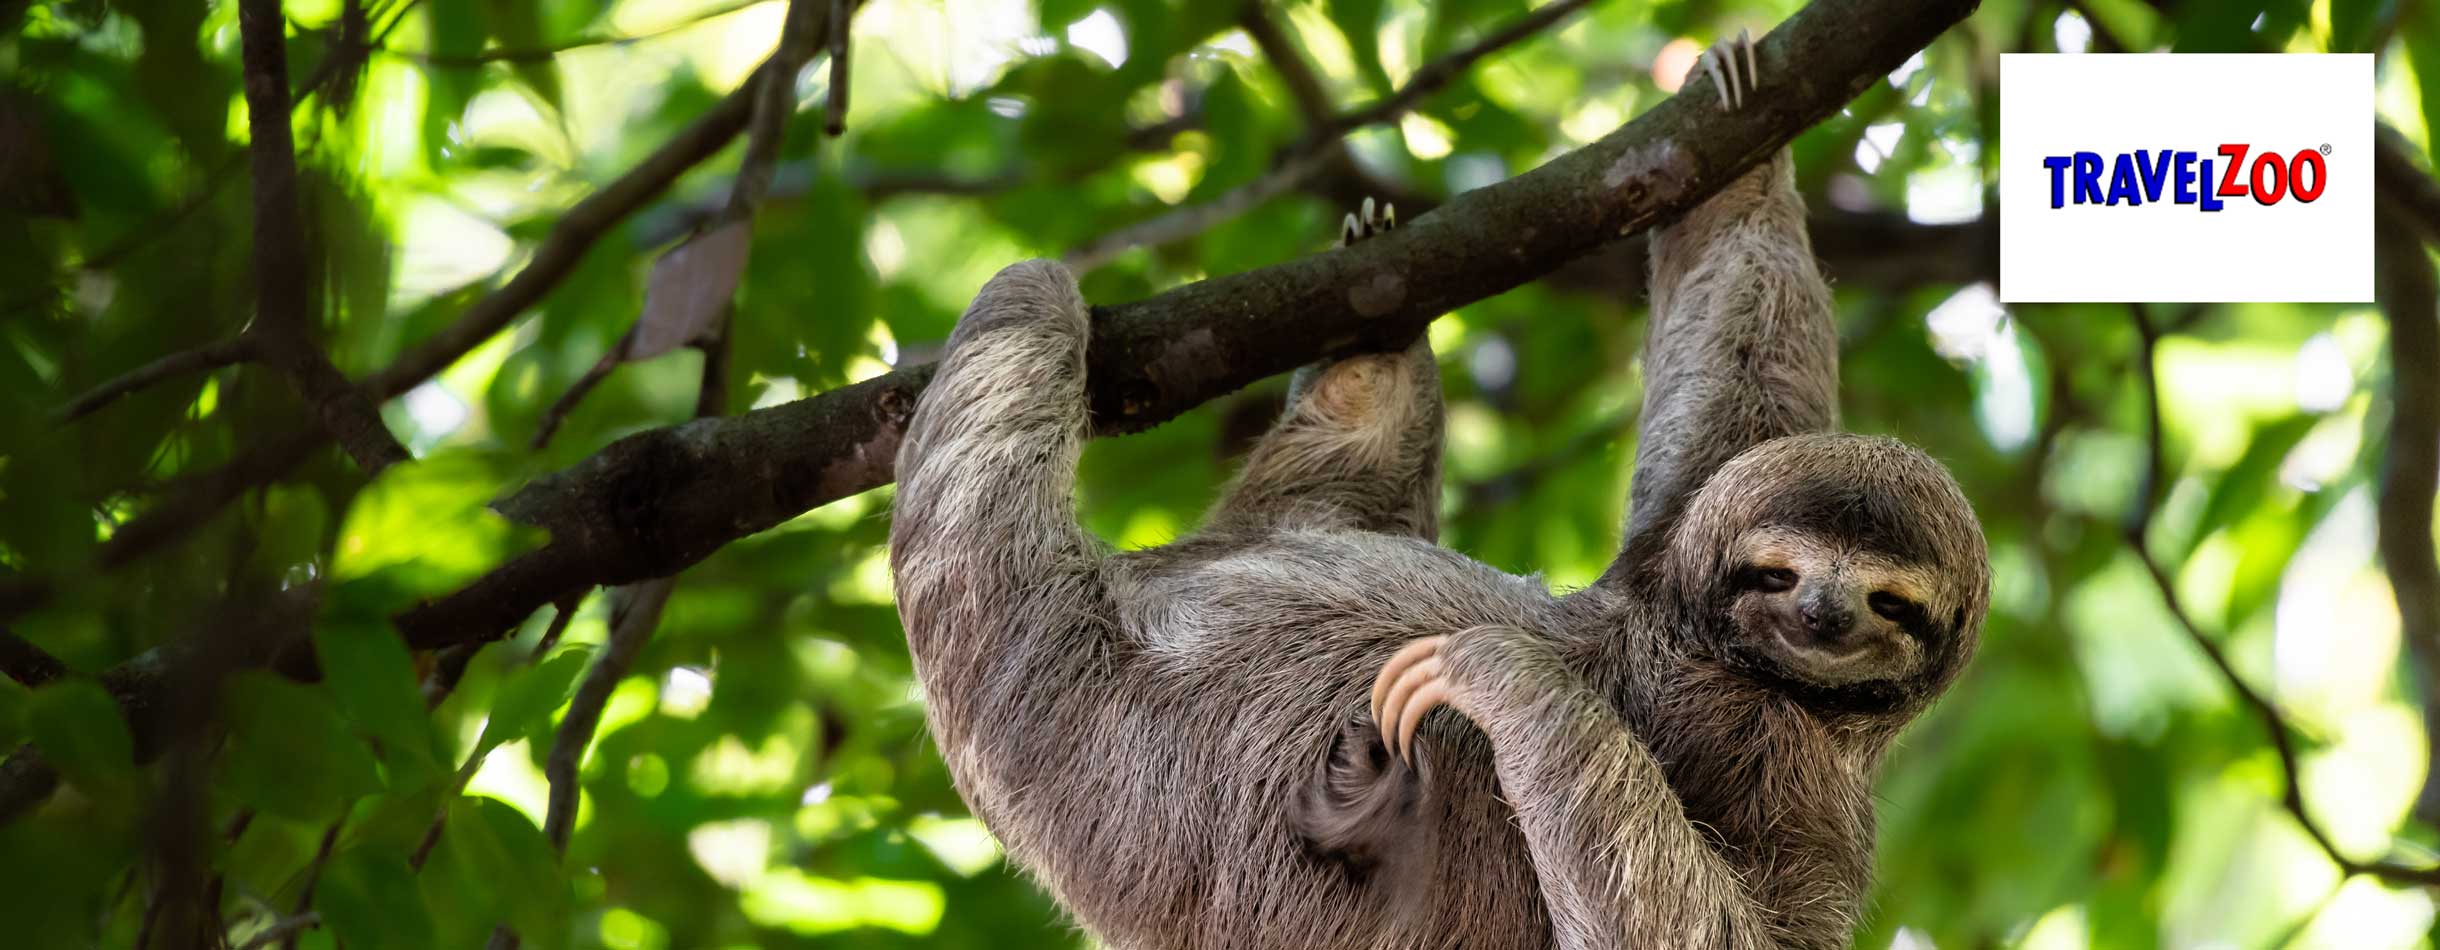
(1358, 445)
(997, 584)
(1612, 848)
(1741, 347)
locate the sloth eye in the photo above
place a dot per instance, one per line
(1769, 580)
(1894, 608)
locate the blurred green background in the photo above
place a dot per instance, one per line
(762, 778)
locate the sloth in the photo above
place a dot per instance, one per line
(1308, 725)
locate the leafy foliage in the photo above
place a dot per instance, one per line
(761, 776)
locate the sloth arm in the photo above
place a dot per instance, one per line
(1741, 347)
(1618, 862)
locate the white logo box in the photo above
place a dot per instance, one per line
(2166, 251)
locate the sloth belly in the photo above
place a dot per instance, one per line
(1252, 659)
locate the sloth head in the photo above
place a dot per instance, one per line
(1846, 570)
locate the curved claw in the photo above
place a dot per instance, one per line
(1409, 686)
(1720, 63)
(1368, 220)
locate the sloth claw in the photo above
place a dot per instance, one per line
(1720, 63)
(1360, 225)
(1410, 685)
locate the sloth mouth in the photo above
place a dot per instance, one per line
(1768, 664)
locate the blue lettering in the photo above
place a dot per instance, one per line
(2211, 202)
(2088, 178)
(2058, 179)
(2185, 177)
(2122, 182)
(2155, 174)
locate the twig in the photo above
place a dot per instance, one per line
(632, 621)
(553, 260)
(834, 113)
(564, 611)
(284, 930)
(209, 356)
(29, 665)
(775, 101)
(1435, 75)
(313, 876)
(282, 324)
(1316, 152)
(1183, 223)
(544, 54)
(2409, 295)
(2274, 723)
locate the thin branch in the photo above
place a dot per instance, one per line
(1435, 75)
(653, 503)
(313, 876)
(2274, 723)
(553, 260)
(632, 621)
(2409, 295)
(284, 930)
(1182, 223)
(1318, 150)
(1303, 84)
(834, 111)
(210, 356)
(544, 54)
(563, 612)
(283, 321)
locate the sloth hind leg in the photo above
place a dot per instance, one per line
(1358, 445)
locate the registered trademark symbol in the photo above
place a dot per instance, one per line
(2325, 148)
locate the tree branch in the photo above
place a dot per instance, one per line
(1322, 146)
(283, 324)
(653, 503)
(2410, 470)
(2137, 532)
(210, 356)
(2415, 197)
(553, 260)
(1303, 84)
(31, 666)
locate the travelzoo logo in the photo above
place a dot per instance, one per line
(2185, 178)
(2138, 177)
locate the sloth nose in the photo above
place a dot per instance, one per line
(1827, 619)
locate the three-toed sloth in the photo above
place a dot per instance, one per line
(1222, 743)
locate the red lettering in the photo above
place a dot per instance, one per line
(2269, 195)
(2296, 167)
(2236, 160)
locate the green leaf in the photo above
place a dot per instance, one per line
(80, 732)
(517, 24)
(525, 702)
(369, 899)
(457, 30)
(370, 673)
(289, 751)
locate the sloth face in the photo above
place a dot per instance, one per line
(1844, 570)
(1828, 615)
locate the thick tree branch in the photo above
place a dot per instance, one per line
(2403, 184)
(283, 327)
(653, 503)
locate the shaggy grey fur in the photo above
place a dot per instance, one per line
(1176, 742)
